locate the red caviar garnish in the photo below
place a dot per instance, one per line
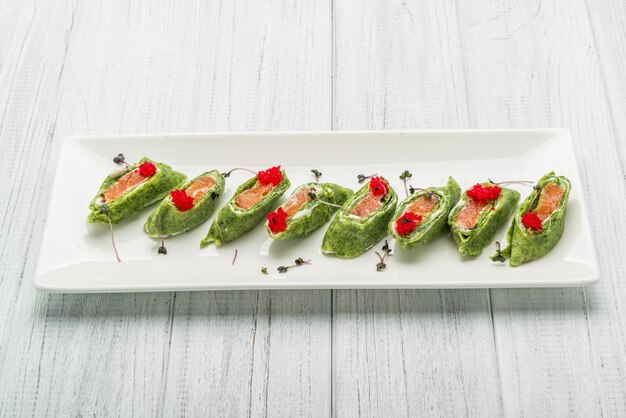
(407, 223)
(480, 193)
(182, 200)
(378, 186)
(277, 221)
(532, 220)
(271, 175)
(147, 169)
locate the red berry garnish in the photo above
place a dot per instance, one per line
(407, 223)
(532, 220)
(277, 221)
(271, 175)
(147, 169)
(182, 200)
(378, 186)
(480, 193)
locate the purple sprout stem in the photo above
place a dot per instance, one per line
(117, 255)
(238, 168)
(520, 182)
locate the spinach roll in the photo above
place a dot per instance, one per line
(475, 219)
(186, 207)
(251, 203)
(309, 207)
(423, 216)
(362, 221)
(539, 222)
(131, 189)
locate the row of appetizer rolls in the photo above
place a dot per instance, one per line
(358, 220)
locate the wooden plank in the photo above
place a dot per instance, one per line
(561, 352)
(28, 87)
(608, 20)
(63, 355)
(414, 353)
(409, 352)
(266, 66)
(271, 361)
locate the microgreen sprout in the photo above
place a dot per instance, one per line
(162, 249)
(228, 173)
(381, 265)
(298, 262)
(361, 177)
(317, 175)
(498, 256)
(520, 182)
(120, 160)
(429, 195)
(406, 174)
(105, 209)
(313, 196)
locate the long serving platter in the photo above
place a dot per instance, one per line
(77, 257)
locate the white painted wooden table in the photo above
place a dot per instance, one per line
(111, 67)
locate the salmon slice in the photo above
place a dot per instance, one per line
(199, 187)
(468, 216)
(123, 185)
(368, 205)
(422, 206)
(549, 201)
(252, 196)
(297, 201)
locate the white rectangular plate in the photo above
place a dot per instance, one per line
(77, 257)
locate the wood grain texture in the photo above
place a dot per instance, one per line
(273, 361)
(414, 353)
(608, 20)
(398, 64)
(125, 67)
(534, 64)
(60, 355)
(27, 112)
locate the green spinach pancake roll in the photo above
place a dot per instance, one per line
(539, 222)
(423, 216)
(251, 203)
(309, 207)
(131, 189)
(475, 219)
(186, 207)
(362, 221)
